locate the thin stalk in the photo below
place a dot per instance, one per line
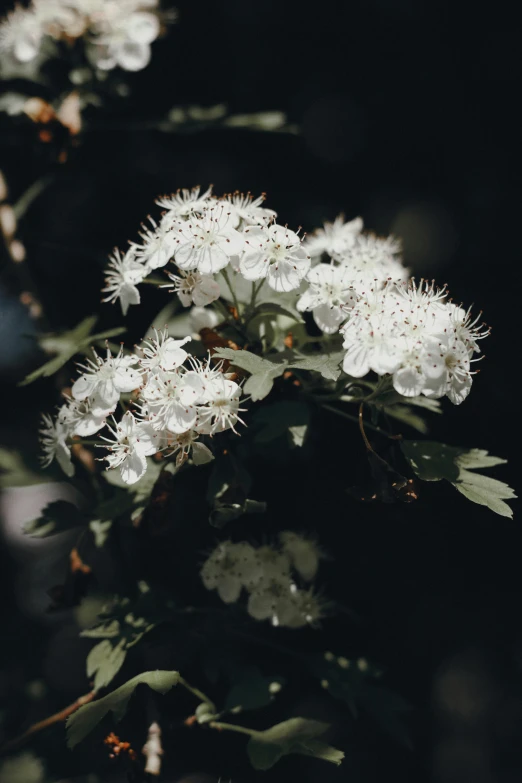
(231, 727)
(198, 694)
(355, 419)
(232, 291)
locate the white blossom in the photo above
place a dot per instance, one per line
(303, 552)
(221, 404)
(84, 418)
(249, 209)
(227, 568)
(206, 243)
(53, 437)
(329, 295)
(162, 352)
(157, 247)
(185, 203)
(202, 318)
(122, 37)
(105, 380)
(171, 399)
(334, 238)
(273, 600)
(131, 443)
(122, 277)
(187, 444)
(276, 253)
(21, 34)
(194, 288)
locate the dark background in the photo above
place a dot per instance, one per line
(409, 117)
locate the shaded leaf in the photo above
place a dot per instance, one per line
(251, 690)
(328, 365)
(84, 720)
(56, 517)
(432, 461)
(297, 735)
(104, 662)
(272, 421)
(485, 491)
(272, 308)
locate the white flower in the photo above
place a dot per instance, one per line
(53, 436)
(132, 442)
(157, 247)
(227, 568)
(303, 553)
(276, 253)
(171, 400)
(371, 345)
(221, 404)
(82, 419)
(467, 329)
(184, 203)
(105, 380)
(163, 352)
(21, 34)
(334, 238)
(122, 276)
(249, 210)
(329, 296)
(193, 288)
(273, 600)
(307, 609)
(268, 564)
(123, 39)
(446, 366)
(372, 261)
(206, 243)
(202, 318)
(185, 444)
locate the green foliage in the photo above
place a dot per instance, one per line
(435, 461)
(84, 720)
(56, 517)
(15, 473)
(227, 492)
(104, 662)
(273, 308)
(66, 344)
(251, 689)
(297, 735)
(286, 416)
(350, 681)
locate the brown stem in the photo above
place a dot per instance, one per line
(58, 717)
(361, 427)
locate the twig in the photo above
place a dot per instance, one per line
(58, 717)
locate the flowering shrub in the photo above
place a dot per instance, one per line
(255, 311)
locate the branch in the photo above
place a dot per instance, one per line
(58, 717)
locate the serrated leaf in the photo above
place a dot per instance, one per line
(432, 461)
(405, 415)
(478, 458)
(56, 517)
(245, 360)
(326, 364)
(485, 491)
(260, 384)
(297, 735)
(104, 662)
(107, 630)
(263, 372)
(84, 720)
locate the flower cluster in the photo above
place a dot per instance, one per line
(268, 573)
(178, 400)
(117, 33)
(203, 235)
(353, 262)
(414, 333)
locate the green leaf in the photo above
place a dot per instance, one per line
(84, 720)
(485, 491)
(15, 473)
(107, 630)
(56, 517)
(273, 308)
(478, 458)
(251, 691)
(245, 360)
(104, 661)
(272, 421)
(66, 345)
(297, 735)
(405, 415)
(432, 461)
(328, 365)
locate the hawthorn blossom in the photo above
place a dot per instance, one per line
(53, 437)
(221, 409)
(186, 444)
(122, 276)
(131, 443)
(446, 367)
(333, 238)
(276, 253)
(157, 247)
(207, 243)
(104, 380)
(185, 203)
(273, 600)
(249, 209)
(193, 288)
(171, 400)
(122, 36)
(303, 552)
(84, 418)
(329, 296)
(162, 352)
(227, 568)
(21, 34)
